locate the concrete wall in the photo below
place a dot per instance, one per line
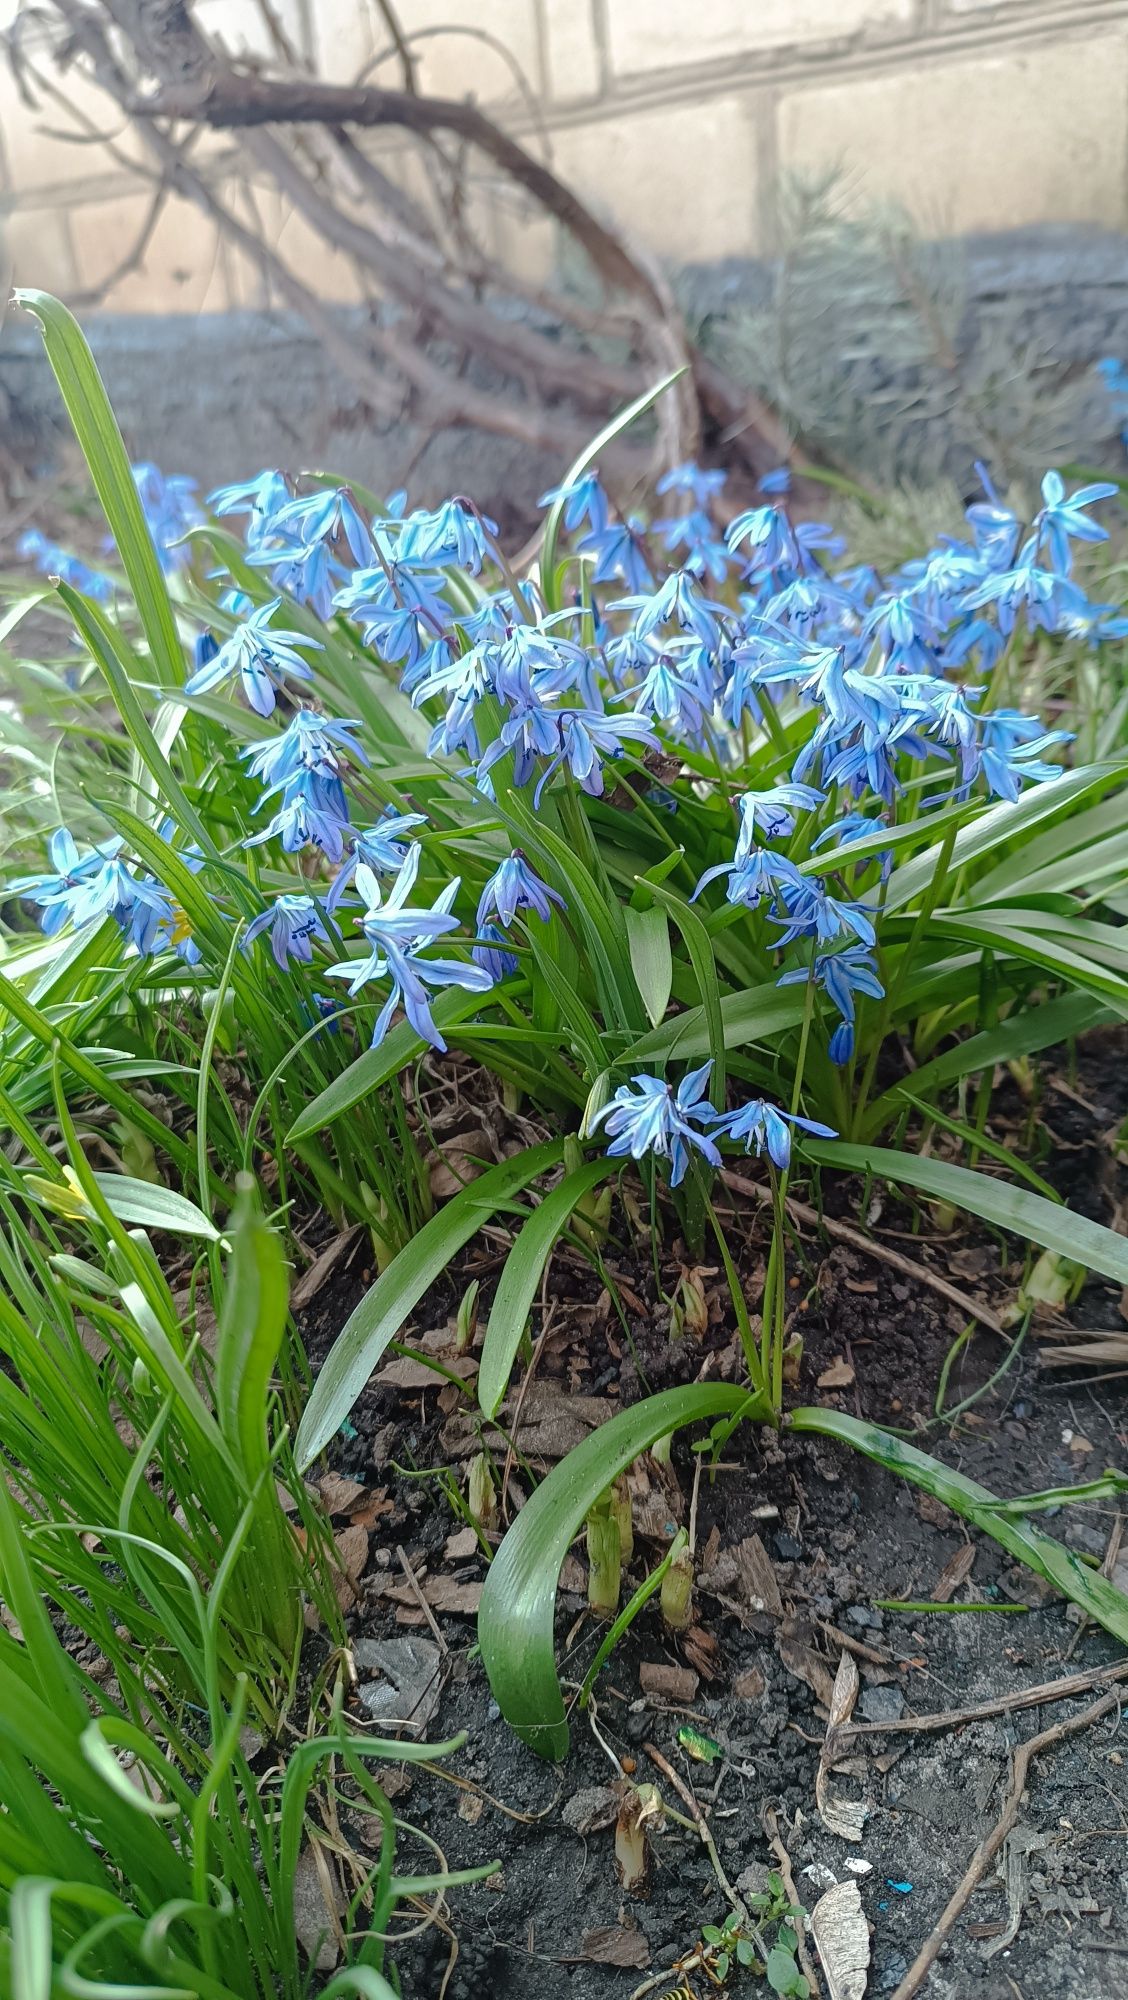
(676, 115)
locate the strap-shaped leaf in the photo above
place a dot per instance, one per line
(515, 1621)
(383, 1310)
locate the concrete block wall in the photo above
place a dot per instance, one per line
(675, 116)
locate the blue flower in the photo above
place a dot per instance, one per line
(260, 498)
(310, 742)
(777, 481)
(841, 974)
(840, 1047)
(646, 1116)
(757, 875)
(492, 952)
(584, 500)
(677, 601)
(453, 533)
(55, 892)
(618, 551)
(1046, 597)
(313, 813)
(307, 573)
(513, 887)
(664, 694)
(293, 922)
(1061, 520)
(261, 654)
(769, 537)
(995, 526)
(586, 737)
(397, 936)
(705, 553)
(813, 912)
(380, 848)
(1011, 747)
(692, 478)
(51, 560)
(772, 812)
(763, 1127)
(317, 519)
(171, 509)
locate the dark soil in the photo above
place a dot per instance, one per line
(841, 1534)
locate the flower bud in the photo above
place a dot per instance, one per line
(483, 1495)
(466, 1325)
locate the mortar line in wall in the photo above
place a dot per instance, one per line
(601, 36)
(822, 62)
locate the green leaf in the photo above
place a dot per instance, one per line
(146, 1206)
(524, 1268)
(515, 1621)
(1060, 1566)
(99, 635)
(700, 948)
(999, 825)
(398, 1290)
(652, 962)
(551, 570)
(96, 429)
(757, 1014)
(1021, 1034)
(251, 1325)
(1025, 1214)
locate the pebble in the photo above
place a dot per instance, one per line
(787, 1548)
(882, 1704)
(892, 1973)
(861, 1614)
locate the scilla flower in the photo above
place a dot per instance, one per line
(397, 936)
(293, 922)
(513, 887)
(762, 1127)
(261, 655)
(646, 1116)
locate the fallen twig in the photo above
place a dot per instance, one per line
(770, 1825)
(989, 1847)
(954, 1718)
(424, 1607)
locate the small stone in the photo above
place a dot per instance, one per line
(754, 1880)
(882, 1704)
(861, 1614)
(892, 1974)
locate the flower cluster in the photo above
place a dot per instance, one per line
(691, 638)
(648, 1116)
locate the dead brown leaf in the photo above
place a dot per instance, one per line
(615, 1944)
(406, 1373)
(703, 1652)
(338, 1495)
(844, 1817)
(326, 1262)
(796, 1649)
(840, 1374)
(750, 1685)
(955, 1571)
(351, 1545)
(461, 1546)
(471, 1806)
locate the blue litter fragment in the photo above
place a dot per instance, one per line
(902, 1888)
